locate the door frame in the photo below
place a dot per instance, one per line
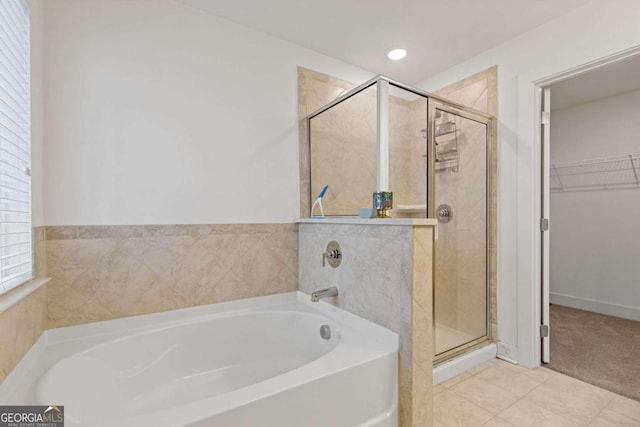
(530, 297)
(545, 214)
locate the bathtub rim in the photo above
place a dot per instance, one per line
(27, 368)
(183, 315)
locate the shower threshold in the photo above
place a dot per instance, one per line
(469, 358)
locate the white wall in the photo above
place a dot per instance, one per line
(594, 235)
(156, 112)
(596, 30)
(35, 8)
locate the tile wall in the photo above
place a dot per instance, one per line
(340, 135)
(20, 327)
(385, 277)
(314, 91)
(22, 323)
(106, 272)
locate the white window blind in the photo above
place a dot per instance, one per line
(16, 260)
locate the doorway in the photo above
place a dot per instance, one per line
(590, 234)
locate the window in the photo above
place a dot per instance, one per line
(16, 260)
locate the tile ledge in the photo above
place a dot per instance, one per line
(16, 295)
(370, 221)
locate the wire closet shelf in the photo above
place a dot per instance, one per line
(607, 173)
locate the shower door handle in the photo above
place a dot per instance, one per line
(444, 213)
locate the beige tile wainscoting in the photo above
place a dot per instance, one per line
(21, 325)
(23, 321)
(105, 272)
(385, 277)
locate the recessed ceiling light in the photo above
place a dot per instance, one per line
(396, 54)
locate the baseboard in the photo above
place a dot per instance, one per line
(626, 312)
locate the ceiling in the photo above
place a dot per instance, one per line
(609, 80)
(437, 33)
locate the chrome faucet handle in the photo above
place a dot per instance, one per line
(333, 254)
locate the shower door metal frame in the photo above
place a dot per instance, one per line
(487, 121)
(443, 103)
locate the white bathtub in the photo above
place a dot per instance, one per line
(255, 362)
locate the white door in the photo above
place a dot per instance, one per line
(544, 220)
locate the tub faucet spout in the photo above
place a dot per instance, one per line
(324, 293)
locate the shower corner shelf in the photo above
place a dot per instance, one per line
(447, 147)
(607, 173)
(411, 209)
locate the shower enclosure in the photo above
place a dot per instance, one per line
(433, 155)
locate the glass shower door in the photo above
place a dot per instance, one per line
(460, 204)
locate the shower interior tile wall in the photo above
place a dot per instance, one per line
(106, 272)
(348, 135)
(348, 132)
(314, 91)
(407, 150)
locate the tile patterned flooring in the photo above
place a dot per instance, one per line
(500, 394)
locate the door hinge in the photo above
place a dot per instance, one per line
(544, 331)
(545, 117)
(544, 224)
